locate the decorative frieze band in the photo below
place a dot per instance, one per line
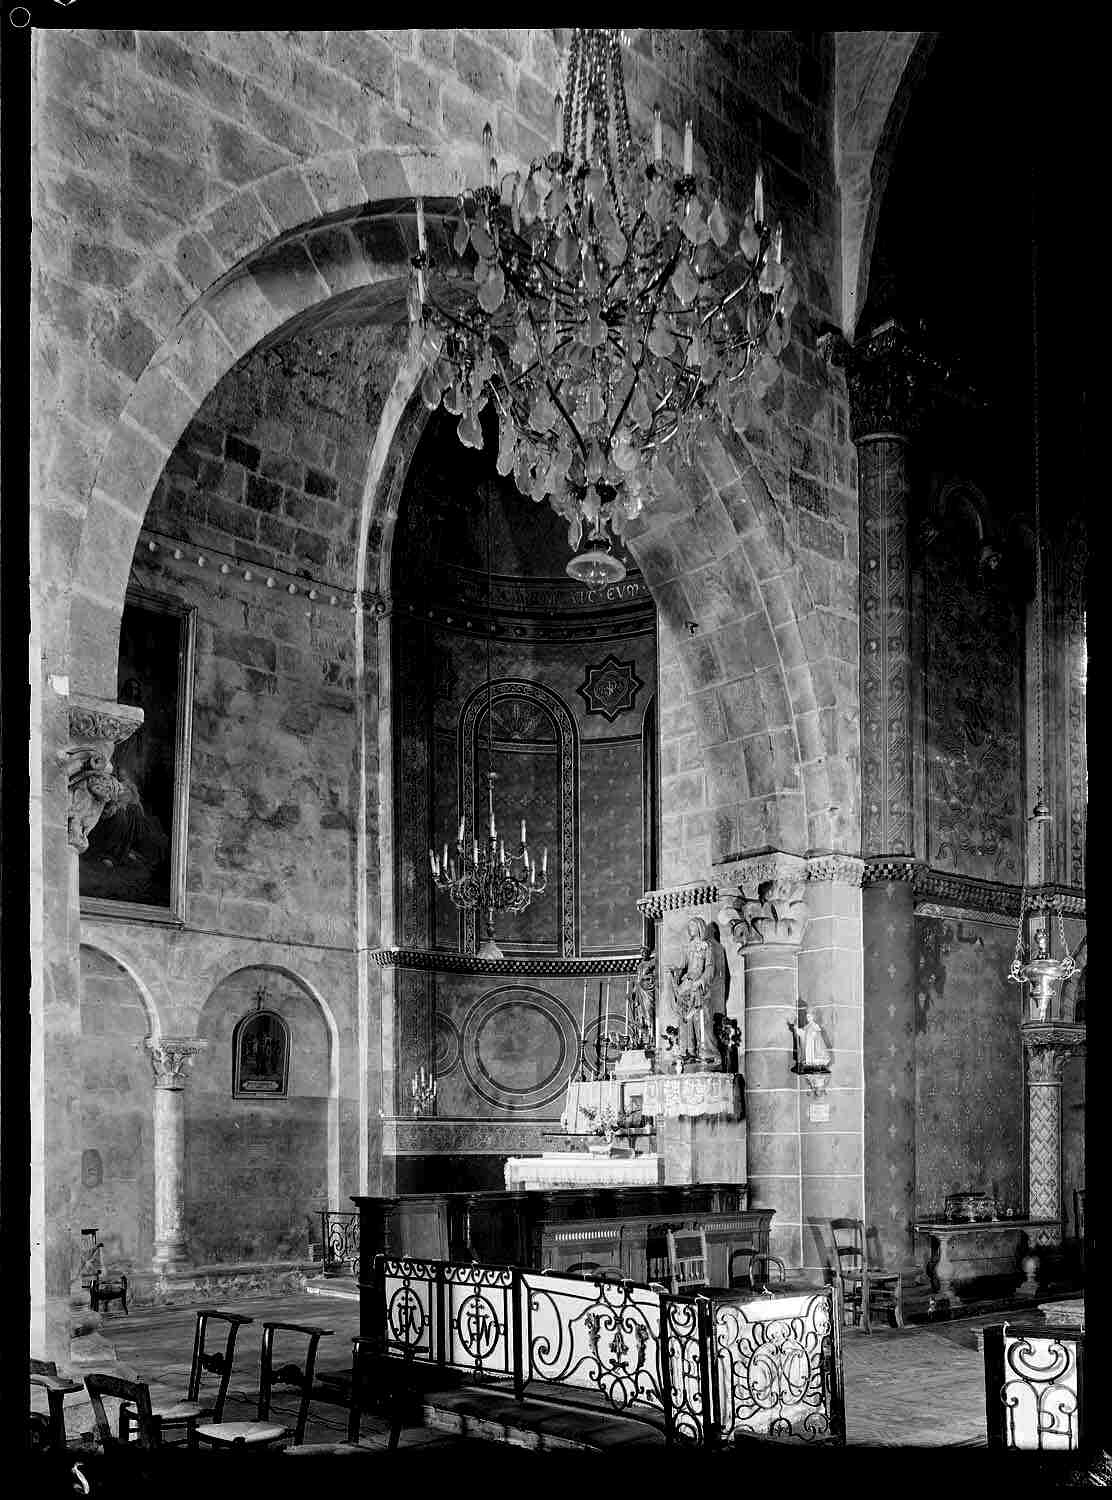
(838, 869)
(653, 904)
(425, 1137)
(468, 963)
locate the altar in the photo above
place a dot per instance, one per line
(960, 1255)
(577, 1169)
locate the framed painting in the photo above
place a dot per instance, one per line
(135, 864)
(261, 1056)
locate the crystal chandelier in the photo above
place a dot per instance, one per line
(481, 876)
(617, 310)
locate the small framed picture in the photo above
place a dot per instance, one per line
(261, 1056)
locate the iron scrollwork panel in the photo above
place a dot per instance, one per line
(773, 1368)
(684, 1353)
(597, 1335)
(1040, 1393)
(409, 1299)
(340, 1235)
(478, 1330)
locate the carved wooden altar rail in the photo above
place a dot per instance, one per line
(708, 1368)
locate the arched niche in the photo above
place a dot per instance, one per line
(115, 1093)
(258, 1164)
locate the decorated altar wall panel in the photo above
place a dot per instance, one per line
(506, 1046)
(572, 768)
(257, 1167)
(969, 1068)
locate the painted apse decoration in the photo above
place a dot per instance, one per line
(135, 861)
(610, 688)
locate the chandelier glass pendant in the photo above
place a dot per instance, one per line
(617, 308)
(480, 876)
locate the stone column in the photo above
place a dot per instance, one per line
(884, 378)
(1047, 1048)
(171, 1057)
(87, 732)
(765, 923)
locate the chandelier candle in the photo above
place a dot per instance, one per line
(618, 311)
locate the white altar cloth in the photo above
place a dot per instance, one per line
(670, 1095)
(573, 1169)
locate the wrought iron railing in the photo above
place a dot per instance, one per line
(339, 1240)
(1034, 1387)
(707, 1368)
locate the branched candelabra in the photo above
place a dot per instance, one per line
(485, 878)
(423, 1089)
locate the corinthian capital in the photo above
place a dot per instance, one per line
(171, 1057)
(96, 727)
(769, 907)
(1048, 1045)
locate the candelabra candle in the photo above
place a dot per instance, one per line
(487, 879)
(423, 1089)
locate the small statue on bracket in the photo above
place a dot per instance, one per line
(811, 1052)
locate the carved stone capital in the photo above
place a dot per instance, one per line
(170, 1057)
(96, 727)
(1048, 1045)
(768, 907)
(890, 378)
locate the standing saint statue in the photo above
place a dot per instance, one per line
(698, 989)
(642, 1010)
(811, 1052)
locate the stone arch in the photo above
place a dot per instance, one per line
(95, 944)
(878, 72)
(766, 672)
(220, 1119)
(362, 255)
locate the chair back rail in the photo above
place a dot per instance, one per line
(297, 1374)
(133, 1395)
(208, 1361)
(709, 1368)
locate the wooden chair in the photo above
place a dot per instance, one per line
(177, 1413)
(375, 1383)
(263, 1431)
(865, 1290)
(758, 1264)
(48, 1433)
(687, 1259)
(1034, 1387)
(136, 1395)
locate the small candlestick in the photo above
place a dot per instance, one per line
(459, 835)
(523, 833)
(658, 134)
(688, 149)
(558, 122)
(759, 198)
(421, 225)
(544, 862)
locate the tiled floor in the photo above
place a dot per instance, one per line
(917, 1386)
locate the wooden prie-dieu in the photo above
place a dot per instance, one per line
(621, 1228)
